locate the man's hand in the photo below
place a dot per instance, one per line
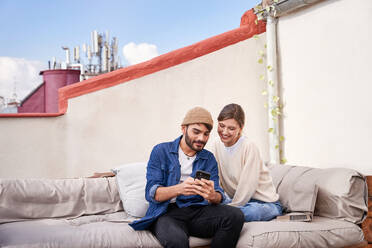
(187, 187)
(205, 188)
(184, 188)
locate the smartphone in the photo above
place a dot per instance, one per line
(202, 174)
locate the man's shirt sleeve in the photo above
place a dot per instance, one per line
(154, 175)
(212, 164)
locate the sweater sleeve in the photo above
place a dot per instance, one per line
(248, 181)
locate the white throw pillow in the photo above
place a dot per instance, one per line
(131, 180)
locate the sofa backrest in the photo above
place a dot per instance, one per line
(341, 193)
(24, 199)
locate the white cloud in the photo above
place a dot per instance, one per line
(134, 53)
(24, 72)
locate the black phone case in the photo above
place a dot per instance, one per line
(202, 174)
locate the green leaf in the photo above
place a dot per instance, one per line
(271, 82)
(281, 138)
(265, 45)
(265, 105)
(256, 36)
(283, 161)
(277, 147)
(276, 1)
(270, 130)
(278, 111)
(260, 61)
(267, 8)
(269, 67)
(261, 52)
(275, 99)
(274, 112)
(256, 21)
(264, 92)
(262, 77)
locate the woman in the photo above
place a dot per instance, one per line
(243, 176)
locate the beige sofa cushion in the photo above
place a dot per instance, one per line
(321, 232)
(23, 199)
(111, 230)
(297, 190)
(341, 192)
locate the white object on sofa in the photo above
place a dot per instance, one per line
(131, 180)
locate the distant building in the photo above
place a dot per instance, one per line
(100, 57)
(8, 106)
(44, 98)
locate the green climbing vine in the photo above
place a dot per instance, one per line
(276, 105)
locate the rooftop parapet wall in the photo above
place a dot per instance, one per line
(118, 117)
(247, 29)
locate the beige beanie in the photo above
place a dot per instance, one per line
(198, 115)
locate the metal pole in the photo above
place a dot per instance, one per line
(272, 90)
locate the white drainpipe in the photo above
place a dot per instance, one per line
(281, 8)
(272, 89)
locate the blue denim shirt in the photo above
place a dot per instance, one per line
(163, 169)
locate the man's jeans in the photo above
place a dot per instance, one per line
(222, 223)
(256, 210)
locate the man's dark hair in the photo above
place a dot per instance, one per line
(208, 126)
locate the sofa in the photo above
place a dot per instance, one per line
(95, 212)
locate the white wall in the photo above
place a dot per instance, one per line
(121, 124)
(325, 64)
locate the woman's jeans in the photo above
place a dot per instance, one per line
(256, 210)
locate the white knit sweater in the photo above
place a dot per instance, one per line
(242, 173)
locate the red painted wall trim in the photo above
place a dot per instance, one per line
(245, 31)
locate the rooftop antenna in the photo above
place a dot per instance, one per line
(54, 63)
(95, 42)
(114, 53)
(67, 54)
(14, 96)
(77, 54)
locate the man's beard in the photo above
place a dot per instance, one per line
(190, 143)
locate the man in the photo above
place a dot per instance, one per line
(181, 206)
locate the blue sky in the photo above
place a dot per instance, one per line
(33, 31)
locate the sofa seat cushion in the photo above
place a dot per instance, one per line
(112, 230)
(321, 232)
(109, 230)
